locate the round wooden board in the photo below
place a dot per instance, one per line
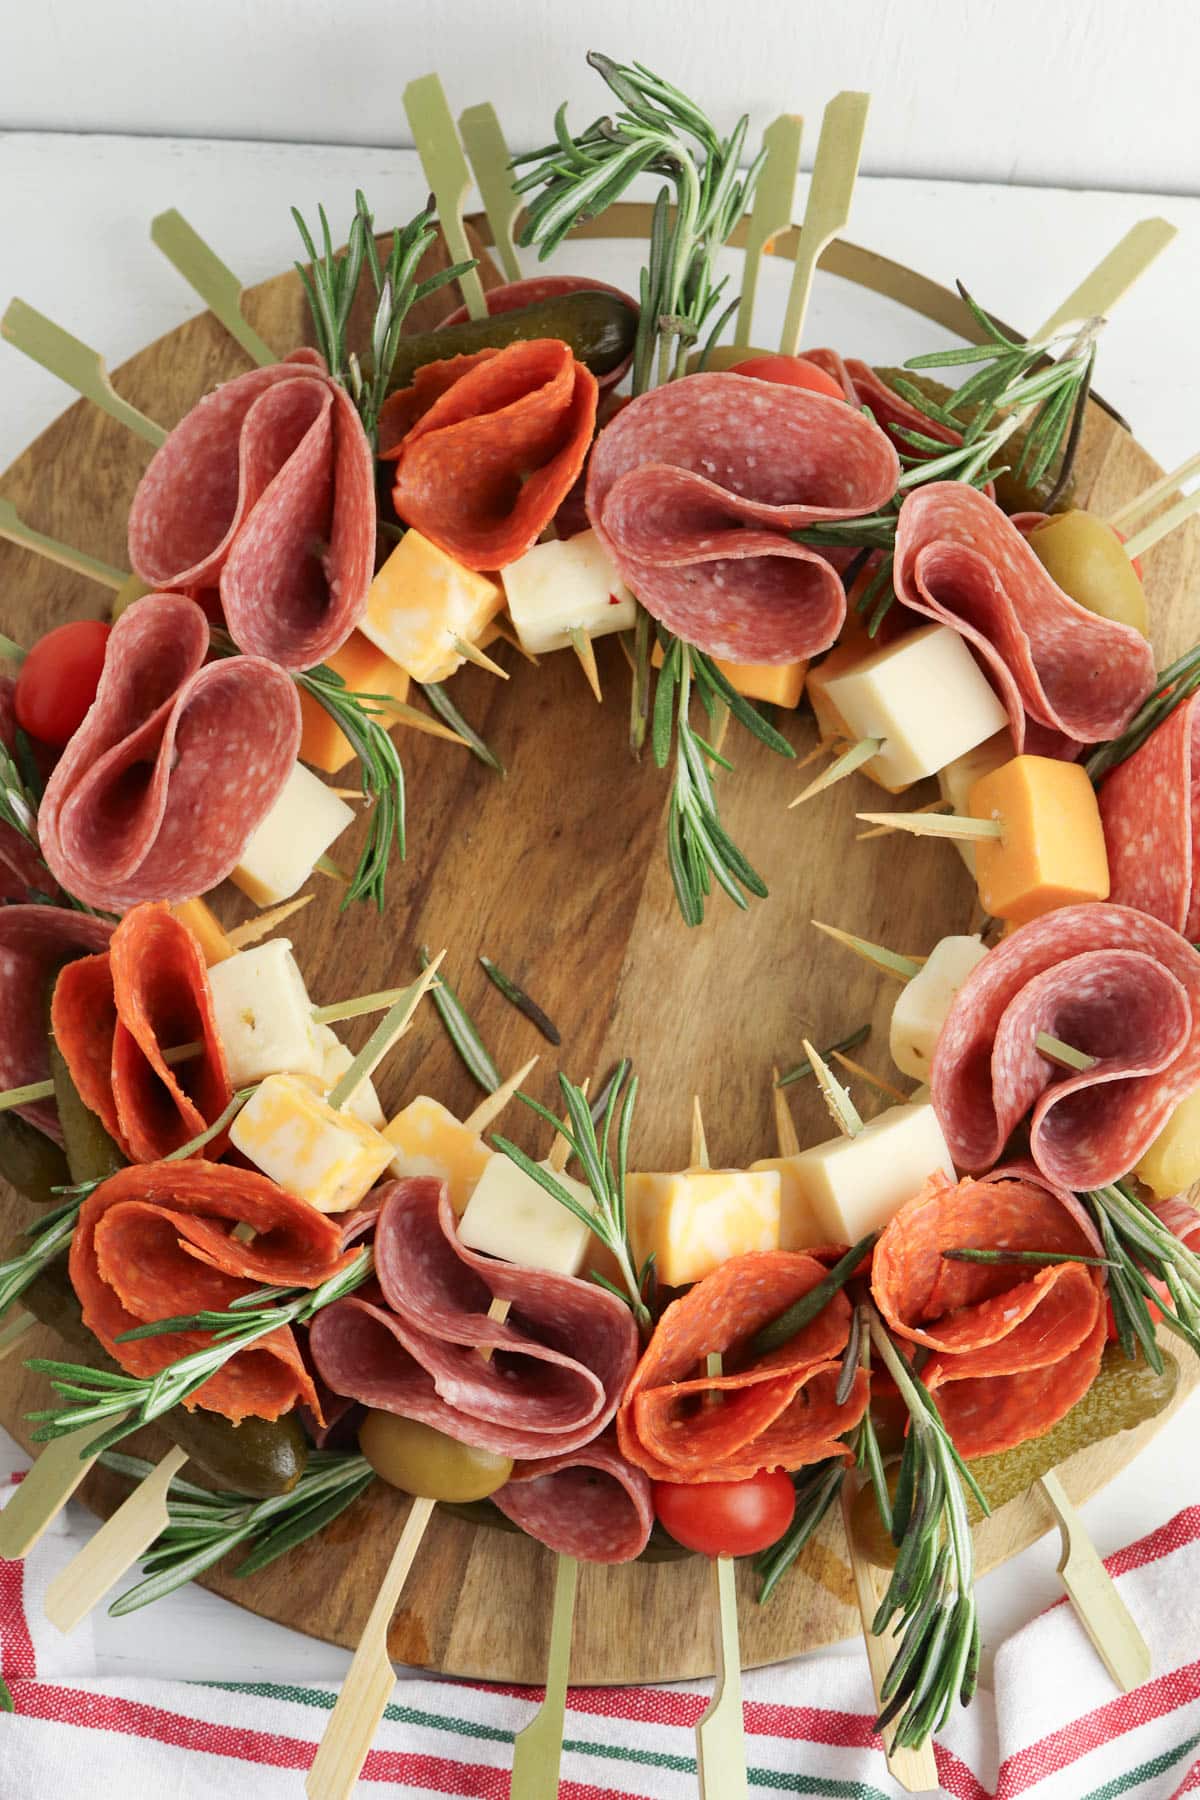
(558, 873)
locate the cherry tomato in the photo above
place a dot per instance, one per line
(791, 371)
(58, 680)
(727, 1518)
(1160, 1287)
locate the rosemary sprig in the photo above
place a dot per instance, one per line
(604, 1164)
(444, 706)
(381, 775)
(1175, 685)
(817, 1487)
(48, 1237)
(805, 1310)
(461, 1030)
(803, 1069)
(1139, 1245)
(203, 1526)
(516, 996)
(1036, 1257)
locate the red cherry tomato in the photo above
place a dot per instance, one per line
(1135, 560)
(727, 1518)
(58, 680)
(1160, 1287)
(791, 371)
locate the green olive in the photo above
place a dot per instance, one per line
(1086, 558)
(423, 1461)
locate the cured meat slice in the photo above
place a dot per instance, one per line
(512, 295)
(1115, 984)
(175, 766)
(156, 1241)
(35, 942)
(1150, 809)
(23, 875)
(487, 446)
(113, 1017)
(1013, 1348)
(890, 410)
(777, 1411)
(267, 489)
(590, 1504)
(559, 1364)
(693, 489)
(960, 561)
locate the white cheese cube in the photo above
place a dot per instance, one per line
(330, 1159)
(799, 1226)
(264, 1014)
(427, 1139)
(564, 585)
(510, 1216)
(420, 601)
(920, 1012)
(925, 696)
(693, 1221)
(957, 779)
(855, 1185)
(336, 1058)
(299, 828)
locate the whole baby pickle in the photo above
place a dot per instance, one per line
(31, 1162)
(599, 328)
(91, 1154)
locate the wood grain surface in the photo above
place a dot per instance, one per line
(557, 871)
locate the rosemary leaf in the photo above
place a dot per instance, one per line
(803, 1069)
(805, 1310)
(442, 704)
(461, 1031)
(516, 996)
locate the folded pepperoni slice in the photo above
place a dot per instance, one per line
(1150, 809)
(487, 446)
(590, 1504)
(776, 1411)
(157, 1241)
(35, 943)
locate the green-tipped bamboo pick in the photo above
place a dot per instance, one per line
(74, 362)
(58, 1471)
(537, 1749)
(208, 276)
(1113, 276)
(481, 132)
(447, 173)
(14, 528)
(120, 1542)
(834, 173)
(772, 212)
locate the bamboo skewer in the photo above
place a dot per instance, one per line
(488, 154)
(772, 211)
(939, 825)
(210, 278)
(14, 1331)
(1098, 1606)
(74, 362)
(448, 175)
(1128, 515)
(1112, 277)
(1159, 528)
(14, 528)
(55, 1475)
(832, 185)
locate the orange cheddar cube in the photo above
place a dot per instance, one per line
(1051, 849)
(775, 684)
(365, 670)
(206, 928)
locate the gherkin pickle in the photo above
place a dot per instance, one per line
(91, 1153)
(598, 327)
(31, 1162)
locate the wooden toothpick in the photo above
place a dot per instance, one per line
(889, 962)
(941, 825)
(772, 213)
(585, 650)
(1157, 529)
(74, 362)
(473, 654)
(493, 1104)
(1132, 511)
(832, 185)
(264, 923)
(843, 765)
(14, 1331)
(210, 278)
(14, 528)
(887, 1088)
(447, 173)
(842, 1109)
(481, 132)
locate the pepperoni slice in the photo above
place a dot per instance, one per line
(590, 1504)
(175, 766)
(35, 942)
(157, 1240)
(510, 296)
(1150, 809)
(487, 446)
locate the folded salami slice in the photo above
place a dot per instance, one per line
(590, 1504)
(1113, 983)
(560, 1362)
(175, 766)
(890, 411)
(512, 295)
(694, 487)
(113, 1017)
(777, 1411)
(267, 487)
(487, 446)
(22, 872)
(1150, 808)
(155, 1241)
(961, 561)
(35, 942)
(1013, 1348)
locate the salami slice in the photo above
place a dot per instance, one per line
(487, 446)
(590, 1504)
(35, 942)
(531, 291)
(1150, 809)
(559, 1364)
(267, 489)
(960, 561)
(174, 767)
(113, 1017)
(23, 875)
(777, 1411)
(694, 487)
(1013, 1349)
(156, 1241)
(1115, 984)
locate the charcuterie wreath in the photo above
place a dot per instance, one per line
(316, 836)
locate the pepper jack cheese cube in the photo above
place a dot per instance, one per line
(263, 1014)
(1172, 1163)
(776, 684)
(297, 831)
(510, 1216)
(328, 1158)
(426, 1139)
(563, 585)
(855, 1184)
(920, 1012)
(206, 928)
(420, 601)
(925, 697)
(799, 1226)
(957, 779)
(694, 1220)
(365, 670)
(336, 1058)
(1051, 852)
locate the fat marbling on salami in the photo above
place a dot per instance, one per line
(1150, 810)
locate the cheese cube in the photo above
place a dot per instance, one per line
(336, 1058)
(830, 723)
(1051, 852)
(426, 1139)
(206, 928)
(1172, 1163)
(263, 1013)
(330, 1159)
(510, 1216)
(799, 1226)
(365, 670)
(925, 696)
(855, 1185)
(957, 779)
(297, 831)
(776, 684)
(562, 585)
(920, 1012)
(693, 1221)
(420, 601)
